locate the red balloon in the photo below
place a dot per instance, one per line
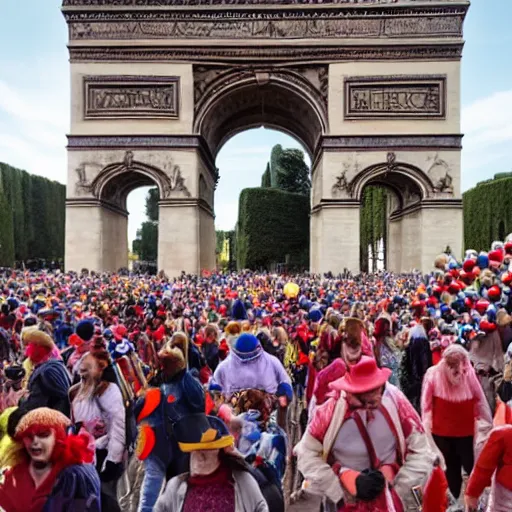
(468, 265)
(482, 305)
(494, 293)
(496, 255)
(506, 278)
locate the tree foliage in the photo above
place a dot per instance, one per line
(145, 245)
(32, 214)
(273, 225)
(488, 212)
(225, 249)
(152, 204)
(265, 179)
(287, 170)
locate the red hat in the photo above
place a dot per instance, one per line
(362, 377)
(120, 332)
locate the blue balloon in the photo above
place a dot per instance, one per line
(482, 261)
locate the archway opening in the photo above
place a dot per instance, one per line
(130, 194)
(262, 171)
(390, 200)
(262, 129)
(143, 230)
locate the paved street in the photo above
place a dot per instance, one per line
(310, 504)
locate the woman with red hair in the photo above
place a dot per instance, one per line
(52, 470)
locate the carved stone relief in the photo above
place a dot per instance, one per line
(83, 185)
(177, 183)
(131, 97)
(344, 182)
(439, 173)
(397, 97)
(275, 24)
(341, 185)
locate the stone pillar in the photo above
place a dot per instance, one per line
(178, 237)
(394, 245)
(83, 237)
(207, 240)
(411, 249)
(336, 237)
(441, 226)
(115, 240)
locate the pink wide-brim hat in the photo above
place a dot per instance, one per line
(362, 377)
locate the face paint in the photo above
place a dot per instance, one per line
(40, 445)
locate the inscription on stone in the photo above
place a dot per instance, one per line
(131, 97)
(395, 97)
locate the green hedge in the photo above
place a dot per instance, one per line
(272, 224)
(32, 216)
(488, 212)
(373, 221)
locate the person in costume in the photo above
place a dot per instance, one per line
(386, 352)
(365, 447)
(98, 405)
(456, 413)
(53, 471)
(248, 366)
(354, 344)
(493, 468)
(416, 360)
(218, 480)
(178, 394)
(11, 388)
(210, 346)
(49, 382)
(486, 354)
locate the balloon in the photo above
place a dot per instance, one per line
(291, 290)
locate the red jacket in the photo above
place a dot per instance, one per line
(496, 456)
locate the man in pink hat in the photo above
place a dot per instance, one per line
(365, 448)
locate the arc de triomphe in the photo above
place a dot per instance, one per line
(370, 87)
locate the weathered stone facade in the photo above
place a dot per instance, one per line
(370, 87)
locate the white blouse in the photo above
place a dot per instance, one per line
(108, 408)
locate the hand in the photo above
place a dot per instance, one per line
(471, 503)
(369, 484)
(111, 472)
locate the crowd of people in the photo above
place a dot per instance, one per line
(141, 393)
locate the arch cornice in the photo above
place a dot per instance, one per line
(212, 93)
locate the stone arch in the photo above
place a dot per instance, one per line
(409, 183)
(115, 181)
(293, 101)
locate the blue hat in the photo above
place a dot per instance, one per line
(246, 343)
(85, 329)
(238, 311)
(315, 315)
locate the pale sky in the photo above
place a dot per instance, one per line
(35, 100)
